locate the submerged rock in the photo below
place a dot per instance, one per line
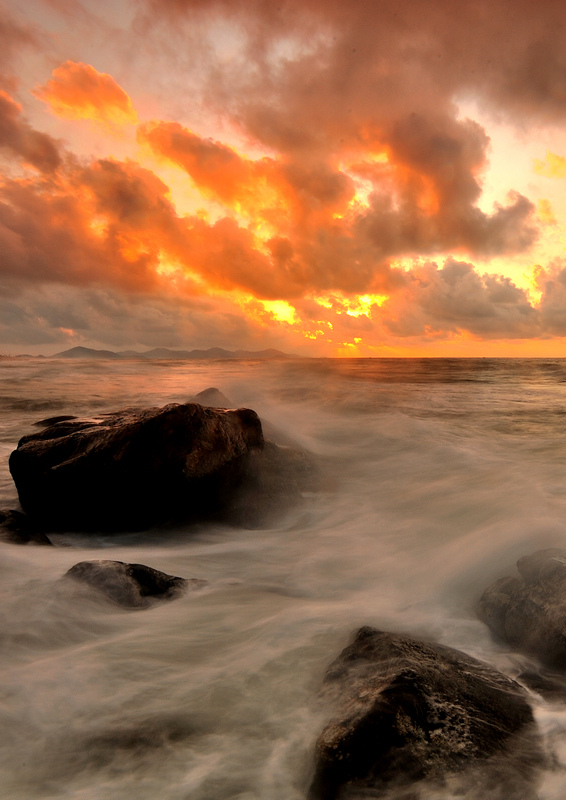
(548, 683)
(130, 585)
(45, 423)
(409, 710)
(529, 612)
(213, 398)
(134, 468)
(16, 528)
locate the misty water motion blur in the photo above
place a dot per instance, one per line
(438, 475)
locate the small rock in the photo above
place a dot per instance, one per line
(130, 585)
(529, 612)
(16, 528)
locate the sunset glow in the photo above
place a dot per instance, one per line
(323, 180)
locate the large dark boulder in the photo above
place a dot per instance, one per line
(410, 711)
(134, 468)
(129, 585)
(137, 468)
(529, 611)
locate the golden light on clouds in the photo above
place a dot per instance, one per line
(353, 306)
(545, 212)
(552, 166)
(281, 310)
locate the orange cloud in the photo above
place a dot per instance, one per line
(79, 91)
(279, 192)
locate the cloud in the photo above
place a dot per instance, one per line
(455, 298)
(551, 282)
(266, 187)
(340, 84)
(338, 62)
(52, 233)
(78, 91)
(365, 162)
(18, 137)
(15, 37)
(54, 317)
(423, 201)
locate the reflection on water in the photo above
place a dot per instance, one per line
(439, 474)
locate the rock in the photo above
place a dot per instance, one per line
(16, 528)
(529, 612)
(409, 711)
(130, 585)
(132, 469)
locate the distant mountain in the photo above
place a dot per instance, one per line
(166, 353)
(86, 352)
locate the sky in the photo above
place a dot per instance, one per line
(370, 178)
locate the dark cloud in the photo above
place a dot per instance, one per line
(373, 55)
(20, 139)
(50, 318)
(456, 298)
(552, 284)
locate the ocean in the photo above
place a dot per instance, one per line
(437, 475)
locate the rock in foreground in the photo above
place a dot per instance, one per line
(16, 528)
(529, 612)
(134, 468)
(129, 585)
(409, 711)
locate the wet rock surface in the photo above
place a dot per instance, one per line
(134, 468)
(16, 528)
(128, 585)
(529, 611)
(409, 711)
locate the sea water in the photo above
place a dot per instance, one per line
(436, 476)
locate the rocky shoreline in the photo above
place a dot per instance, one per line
(406, 713)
